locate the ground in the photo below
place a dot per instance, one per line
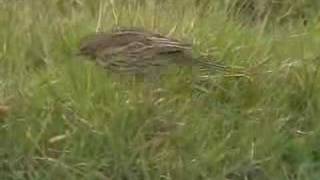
(63, 117)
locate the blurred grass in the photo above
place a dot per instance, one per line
(69, 119)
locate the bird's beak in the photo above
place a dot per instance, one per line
(77, 53)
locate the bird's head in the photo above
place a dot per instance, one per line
(88, 49)
(91, 45)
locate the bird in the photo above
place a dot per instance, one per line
(138, 51)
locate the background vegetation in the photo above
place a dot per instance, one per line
(69, 119)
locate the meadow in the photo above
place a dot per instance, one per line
(70, 119)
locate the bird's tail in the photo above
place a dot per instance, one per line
(211, 66)
(214, 67)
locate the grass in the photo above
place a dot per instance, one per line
(69, 119)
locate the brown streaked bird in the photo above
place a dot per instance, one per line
(139, 52)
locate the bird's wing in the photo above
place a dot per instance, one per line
(151, 38)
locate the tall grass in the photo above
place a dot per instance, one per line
(69, 119)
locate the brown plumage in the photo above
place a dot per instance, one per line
(138, 51)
